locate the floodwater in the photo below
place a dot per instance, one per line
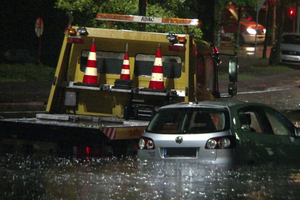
(30, 177)
(63, 178)
(53, 177)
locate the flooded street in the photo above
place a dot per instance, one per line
(52, 177)
(29, 177)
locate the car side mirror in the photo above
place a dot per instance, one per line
(297, 132)
(233, 68)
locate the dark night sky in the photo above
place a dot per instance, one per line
(18, 19)
(17, 25)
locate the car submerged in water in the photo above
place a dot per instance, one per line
(220, 132)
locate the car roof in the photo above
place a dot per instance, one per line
(213, 104)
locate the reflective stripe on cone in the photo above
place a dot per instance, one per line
(125, 73)
(90, 74)
(157, 77)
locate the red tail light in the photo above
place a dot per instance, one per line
(226, 142)
(215, 51)
(87, 151)
(146, 143)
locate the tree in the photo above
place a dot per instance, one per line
(86, 10)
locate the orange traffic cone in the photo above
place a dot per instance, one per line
(90, 75)
(125, 73)
(157, 77)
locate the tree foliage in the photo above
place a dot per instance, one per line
(86, 10)
(243, 3)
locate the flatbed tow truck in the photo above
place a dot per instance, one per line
(108, 116)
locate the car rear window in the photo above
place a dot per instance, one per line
(291, 39)
(189, 121)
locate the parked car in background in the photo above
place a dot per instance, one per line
(247, 26)
(20, 56)
(220, 132)
(289, 49)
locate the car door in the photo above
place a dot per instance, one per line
(258, 142)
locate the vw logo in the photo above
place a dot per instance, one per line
(179, 139)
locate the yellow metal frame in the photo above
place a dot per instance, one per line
(112, 103)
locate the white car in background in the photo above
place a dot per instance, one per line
(248, 31)
(289, 49)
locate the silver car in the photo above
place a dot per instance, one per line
(289, 49)
(220, 132)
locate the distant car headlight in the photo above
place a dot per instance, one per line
(264, 30)
(251, 31)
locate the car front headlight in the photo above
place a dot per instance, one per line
(251, 31)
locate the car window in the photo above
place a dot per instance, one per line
(264, 120)
(291, 39)
(249, 121)
(245, 16)
(228, 18)
(189, 121)
(171, 65)
(280, 125)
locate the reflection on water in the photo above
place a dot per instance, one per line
(29, 177)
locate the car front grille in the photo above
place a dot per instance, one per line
(286, 52)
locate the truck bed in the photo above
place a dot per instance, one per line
(113, 127)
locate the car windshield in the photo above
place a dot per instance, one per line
(291, 39)
(245, 16)
(189, 121)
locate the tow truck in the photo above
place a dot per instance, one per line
(109, 117)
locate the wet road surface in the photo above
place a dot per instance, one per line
(28, 177)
